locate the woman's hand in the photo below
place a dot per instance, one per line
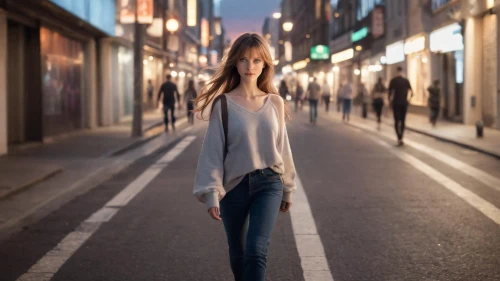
(215, 213)
(285, 206)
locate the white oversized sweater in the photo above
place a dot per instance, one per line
(256, 140)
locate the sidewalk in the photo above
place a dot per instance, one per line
(456, 133)
(460, 134)
(28, 165)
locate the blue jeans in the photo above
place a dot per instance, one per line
(313, 109)
(249, 212)
(346, 108)
(166, 108)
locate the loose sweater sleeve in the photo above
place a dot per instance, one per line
(208, 187)
(289, 168)
(285, 150)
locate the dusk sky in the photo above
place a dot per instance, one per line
(239, 16)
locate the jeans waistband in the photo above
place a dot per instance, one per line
(259, 171)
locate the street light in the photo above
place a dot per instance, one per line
(172, 25)
(287, 26)
(277, 15)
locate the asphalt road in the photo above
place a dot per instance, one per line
(382, 213)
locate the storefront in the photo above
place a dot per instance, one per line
(482, 60)
(447, 44)
(371, 71)
(62, 75)
(418, 68)
(394, 58)
(152, 70)
(123, 82)
(52, 63)
(343, 69)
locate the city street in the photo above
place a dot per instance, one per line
(365, 210)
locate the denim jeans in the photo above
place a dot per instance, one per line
(249, 212)
(347, 107)
(313, 109)
(399, 112)
(166, 108)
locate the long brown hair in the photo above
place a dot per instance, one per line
(226, 78)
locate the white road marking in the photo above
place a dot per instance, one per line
(485, 207)
(465, 168)
(309, 246)
(48, 265)
(187, 129)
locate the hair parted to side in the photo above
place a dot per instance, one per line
(226, 78)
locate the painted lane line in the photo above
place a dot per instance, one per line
(103, 215)
(48, 265)
(187, 129)
(465, 168)
(309, 245)
(124, 197)
(485, 207)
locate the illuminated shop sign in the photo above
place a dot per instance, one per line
(447, 39)
(343, 56)
(320, 52)
(299, 65)
(205, 32)
(360, 34)
(191, 12)
(395, 53)
(415, 45)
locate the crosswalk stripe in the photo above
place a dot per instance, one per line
(465, 168)
(49, 264)
(485, 207)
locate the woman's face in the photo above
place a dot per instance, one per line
(250, 66)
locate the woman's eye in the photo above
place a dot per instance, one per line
(257, 61)
(242, 59)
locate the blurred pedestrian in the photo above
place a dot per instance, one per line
(434, 102)
(378, 93)
(340, 97)
(313, 93)
(190, 95)
(365, 100)
(150, 90)
(347, 95)
(399, 87)
(171, 97)
(253, 189)
(299, 95)
(325, 90)
(283, 90)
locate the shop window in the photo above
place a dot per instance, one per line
(62, 61)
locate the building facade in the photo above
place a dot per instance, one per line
(51, 50)
(71, 63)
(302, 49)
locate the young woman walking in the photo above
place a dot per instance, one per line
(255, 177)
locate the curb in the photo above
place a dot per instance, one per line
(143, 140)
(464, 145)
(21, 188)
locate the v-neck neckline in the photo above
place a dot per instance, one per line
(247, 110)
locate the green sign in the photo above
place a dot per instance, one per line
(320, 52)
(359, 34)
